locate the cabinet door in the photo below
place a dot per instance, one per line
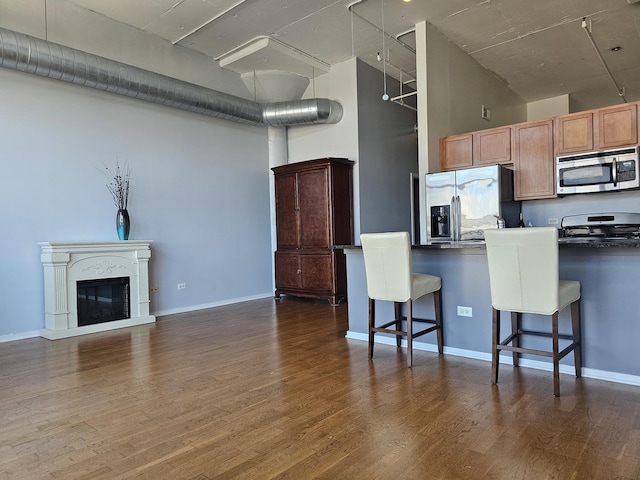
(533, 160)
(286, 211)
(616, 127)
(305, 272)
(317, 272)
(574, 133)
(288, 271)
(313, 201)
(492, 146)
(456, 151)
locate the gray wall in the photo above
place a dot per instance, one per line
(388, 154)
(199, 190)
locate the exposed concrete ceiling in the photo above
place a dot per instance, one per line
(537, 46)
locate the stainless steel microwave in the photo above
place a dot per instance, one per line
(597, 171)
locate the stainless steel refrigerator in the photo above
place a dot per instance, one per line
(461, 204)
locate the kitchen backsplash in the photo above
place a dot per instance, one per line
(538, 212)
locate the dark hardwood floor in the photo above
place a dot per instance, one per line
(268, 389)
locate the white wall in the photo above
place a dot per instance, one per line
(547, 108)
(199, 186)
(339, 140)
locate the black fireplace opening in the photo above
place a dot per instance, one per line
(103, 300)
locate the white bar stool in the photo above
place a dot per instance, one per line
(523, 275)
(387, 261)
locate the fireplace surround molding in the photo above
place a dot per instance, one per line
(66, 263)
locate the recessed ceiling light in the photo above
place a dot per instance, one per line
(406, 1)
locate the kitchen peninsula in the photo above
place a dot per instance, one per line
(610, 304)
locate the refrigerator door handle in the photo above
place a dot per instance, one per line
(453, 220)
(458, 218)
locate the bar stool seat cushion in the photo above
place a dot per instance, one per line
(422, 284)
(569, 292)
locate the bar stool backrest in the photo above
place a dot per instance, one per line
(387, 262)
(523, 269)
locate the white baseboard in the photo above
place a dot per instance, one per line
(547, 366)
(193, 308)
(19, 336)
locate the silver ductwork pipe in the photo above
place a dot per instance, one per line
(315, 110)
(47, 59)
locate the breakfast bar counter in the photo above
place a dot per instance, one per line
(563, 242)
(609, 273)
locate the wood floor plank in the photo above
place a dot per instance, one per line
(272, 389)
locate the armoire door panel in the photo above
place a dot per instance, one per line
(286, 211)
(313, 198)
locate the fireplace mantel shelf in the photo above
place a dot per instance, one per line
(93, 245)
(66, 263)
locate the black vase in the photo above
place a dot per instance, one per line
(122, 224)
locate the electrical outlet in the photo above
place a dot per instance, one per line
(465, 311)
(182, 286)
(153, 289)
(553, 221)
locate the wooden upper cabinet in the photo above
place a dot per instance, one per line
(533, 160)
(456, 151)
(574, 133)
(484, 147)
(492, 146)
(616, 126)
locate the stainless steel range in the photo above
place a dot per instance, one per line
(602, 226)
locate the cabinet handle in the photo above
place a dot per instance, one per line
(299, 272)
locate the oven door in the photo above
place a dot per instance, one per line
(596, 174)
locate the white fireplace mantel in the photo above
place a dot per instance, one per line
(66, 263)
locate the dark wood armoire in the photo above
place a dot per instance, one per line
(314, 213)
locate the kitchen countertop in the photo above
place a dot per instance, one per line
(599, 242)
(575, 242)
